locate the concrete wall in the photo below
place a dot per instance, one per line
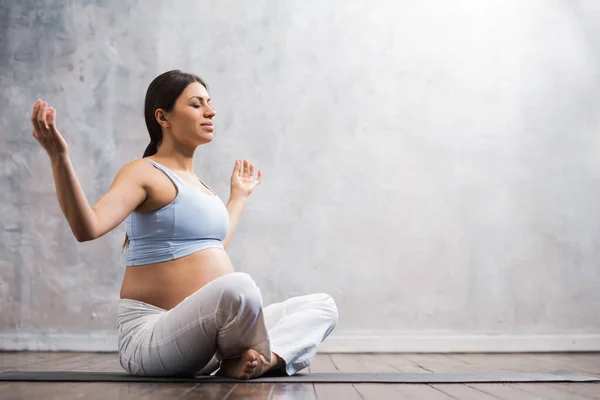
(432, 165)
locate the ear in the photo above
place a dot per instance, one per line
(161, 118)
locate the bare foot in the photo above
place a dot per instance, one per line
(242, 367)
(251, 364)
(276, 362)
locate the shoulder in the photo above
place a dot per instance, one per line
(137, 172)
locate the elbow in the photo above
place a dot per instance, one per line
(83, 236)
(83, 226)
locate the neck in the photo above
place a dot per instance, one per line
(179, 157)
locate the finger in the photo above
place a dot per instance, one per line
(34, 109)
(251, 170)
(51, 119)
(52, 123)
(241, 168)
(34, 114)
(41, 118)
(236, 167)
(245, 168)
(259, 178)
(47, 115)
(41, 112)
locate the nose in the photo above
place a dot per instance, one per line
(209, 112)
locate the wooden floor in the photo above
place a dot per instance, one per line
(587, 363)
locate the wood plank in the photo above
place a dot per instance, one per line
(503, 362)
(546, 391)
(51, 390)
(251, 391)
(589, 390)
(401, 363)
(369, 362)
(463, 392)
(147, 390)
(55, 361)
(210, 391)
(72, 362)
(102, 363)
(348, 363)
(301, 391)
(491, 363)
(323, 363)
(501, 391)
(161, 390)
(584, 363)
(19, 360)
(537, 390)
(326, 391)
(441, 363)
(587, 362)
(47, 361)
(400, 391)
(374, 363)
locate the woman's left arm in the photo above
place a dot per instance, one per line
(243, 183)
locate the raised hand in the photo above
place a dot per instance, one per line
(243, 181)
(43, 119)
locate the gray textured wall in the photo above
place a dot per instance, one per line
(433, 165)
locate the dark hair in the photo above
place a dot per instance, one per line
(163, 93)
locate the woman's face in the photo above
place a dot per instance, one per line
(191, 120)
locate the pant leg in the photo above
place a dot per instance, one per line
(298, 325)
(220, 320)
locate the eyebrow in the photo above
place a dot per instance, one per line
(199, 98)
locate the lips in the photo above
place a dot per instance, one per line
(208, 127)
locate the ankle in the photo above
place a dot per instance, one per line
(276, 361)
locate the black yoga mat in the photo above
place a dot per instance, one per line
(315, 377)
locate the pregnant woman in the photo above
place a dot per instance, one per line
(183, 309)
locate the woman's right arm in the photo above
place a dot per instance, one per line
(87, 222)
(126, 193)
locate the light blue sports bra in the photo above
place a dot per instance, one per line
(193, 221)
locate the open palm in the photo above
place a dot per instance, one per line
(243, 180)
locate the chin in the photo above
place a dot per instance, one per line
(206, 138)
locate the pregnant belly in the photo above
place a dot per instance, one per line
(166, 284)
